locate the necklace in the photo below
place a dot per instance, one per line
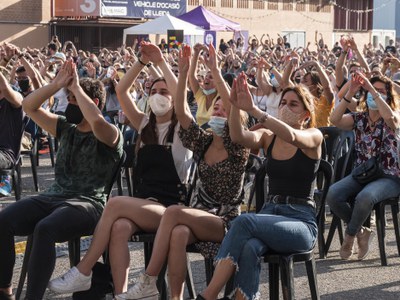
(371, 122)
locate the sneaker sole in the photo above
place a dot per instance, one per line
(60, 291)
(150, 297)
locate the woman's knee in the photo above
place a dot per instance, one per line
(174, 213)
(113, 204)
(180, 236)
(365, 201)
(121, 230)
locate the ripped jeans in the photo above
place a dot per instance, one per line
(281, 228)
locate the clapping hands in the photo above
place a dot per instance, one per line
(240, 94)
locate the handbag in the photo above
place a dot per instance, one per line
(369, 170)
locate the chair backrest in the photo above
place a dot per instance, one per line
(116, 170)
(331, 138)
(324, 180)
(342, 157)
(260, 185)
(254, 164)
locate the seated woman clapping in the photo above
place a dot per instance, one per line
(287, 221)
(221, 166)
(161, 172)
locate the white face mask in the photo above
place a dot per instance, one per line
(209, 92)
(159, 104)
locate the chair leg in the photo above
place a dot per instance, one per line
(321, 238)
(380, 228)
(34, 158)
(396, 221)
(162, 284)
(24, 268)
(74, 251)
(273, 271)
(287, 281)
(312, 279)
(51, 148)
(119, 184)
(229, 287)
(189, 280)
(336, 224)
(129, 181)
(209, 266)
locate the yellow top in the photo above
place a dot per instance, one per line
(203, 114)
(323, 110)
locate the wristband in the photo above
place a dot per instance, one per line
(263, 118)
(347, 100)
(143, 64)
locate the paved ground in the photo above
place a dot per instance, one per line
(336, 279)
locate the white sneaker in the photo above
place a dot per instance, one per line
(71, 282)
(144, 288)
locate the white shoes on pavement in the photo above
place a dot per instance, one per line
(71, 282)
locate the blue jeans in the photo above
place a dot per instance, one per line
(277, 227)
(365, 197)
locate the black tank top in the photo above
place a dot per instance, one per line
(291, 177)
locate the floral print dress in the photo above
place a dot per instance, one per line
(222, 181)
(368, 143)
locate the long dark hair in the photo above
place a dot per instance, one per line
(149, 134)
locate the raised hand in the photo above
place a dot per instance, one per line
(91, 70)
(211, 59)
(352, 44)
(355, 83)
(344, 43)
(240, 94)
(184, 57)
(198, 48)
(150, 52)
(64, 77)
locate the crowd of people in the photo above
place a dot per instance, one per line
(195, 106)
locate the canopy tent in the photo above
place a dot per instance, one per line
(208, 20)
(161, 25)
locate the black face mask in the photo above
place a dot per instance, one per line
(24, 85)
(73, 114)
(297, 80)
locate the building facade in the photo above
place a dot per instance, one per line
(32, 23)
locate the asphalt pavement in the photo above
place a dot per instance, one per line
(337, 279)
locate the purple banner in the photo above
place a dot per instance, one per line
(210, 36)
(142, 8)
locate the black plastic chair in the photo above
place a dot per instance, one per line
(253, 165)
(380, 210)
(282, 263)
(74, 245)
(342, 162)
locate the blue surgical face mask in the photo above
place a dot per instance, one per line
(217, 125)
(209, 92)
(371, 102)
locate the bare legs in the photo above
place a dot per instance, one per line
(119, 256)
(222, 273)
(179, 227)
(129, 214)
